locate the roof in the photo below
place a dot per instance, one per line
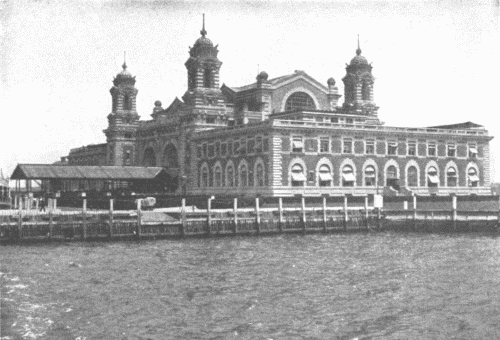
(51, 171)
(466, 125)
(274, 82)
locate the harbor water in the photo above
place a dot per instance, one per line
(340, 286)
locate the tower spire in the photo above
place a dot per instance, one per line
(358, 51)
(124, 66)
(203, 31)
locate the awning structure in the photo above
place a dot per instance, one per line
(349, 177)
(298, 177)
(434, 179)
(298, 145)
(473, 150)
(325, 176)
(473, 178)
(83, 172)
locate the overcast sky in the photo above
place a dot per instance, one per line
(435, 62)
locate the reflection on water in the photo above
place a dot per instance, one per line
(364, 286)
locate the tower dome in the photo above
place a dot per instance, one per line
(203, 47)
(124, 77)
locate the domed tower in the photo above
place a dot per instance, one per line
(358, 86)
(203, 73)
(123, 120)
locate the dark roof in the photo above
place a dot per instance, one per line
(276, 81)
(51, 171)
(466, 125)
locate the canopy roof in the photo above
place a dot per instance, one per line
(51, 171)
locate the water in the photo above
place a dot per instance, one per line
(358, 286)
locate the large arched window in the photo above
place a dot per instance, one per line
(370, 176)
(348, 177)
(149, 157)
(412, 176)
(259, 175)
(217, 176)
(472, 177)
(325, 176)
(243, 172)
(392, 179)
(230, 176)
(299, 101)
(451, 177)
(432, 177)
(298, 177)
(204, 176)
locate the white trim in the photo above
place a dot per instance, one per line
(324, 161)
(427, 166)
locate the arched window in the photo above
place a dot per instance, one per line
(299, 101)
(412, 176)
(473, 179)
(243, 175)
(392, 179)
(432, 177)
(370, 177)
(115, 102)
(149, 157)
(259, 175)
(217, 176)
(298, 177)
(170, 158)
(325, 176)
(230, 176)
(204, 177)
(126, 102)
(207, 78)
(365, 91)
(192, 78)
(348, 177)
(451, 177)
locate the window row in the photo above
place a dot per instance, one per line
(390, 147)
(241, 146)
(371, 178)
(232, 176)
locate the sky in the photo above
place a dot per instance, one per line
(435, 62)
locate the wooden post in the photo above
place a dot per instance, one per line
(414, 212)
(84, 219)
(257, 214)
(366, 212)
(454, 211)
(37, 200)
(346, 216)
(20, 222)
(209, 215)
(379, 217)
(139, 219)
(303, 208)
(111, 217)
(498, 223)
(324, 214)
(51, 225)
(280, 211)
(55, 203)
(235, 211)
(183, 217)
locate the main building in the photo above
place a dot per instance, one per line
(286, 136)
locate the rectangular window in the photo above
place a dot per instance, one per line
(324, 144)
(347, 145)
(223, 149)
(431, 149)
(349, 121)
(210, 120)
(412, 148)
(297, 144)
(217, 149)
(205, 150)
(452, 150)
(334, 120)
(392, 147)
(370, 147)
(472, 150)
(258, 144)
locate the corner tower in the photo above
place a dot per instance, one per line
(122, 121)
(203, 73)
(358, 86)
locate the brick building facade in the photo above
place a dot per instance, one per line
(287, 136)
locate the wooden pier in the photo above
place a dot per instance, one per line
(83, 225)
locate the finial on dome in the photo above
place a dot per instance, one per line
(203, 31)
(358, 51)
(124, 66)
